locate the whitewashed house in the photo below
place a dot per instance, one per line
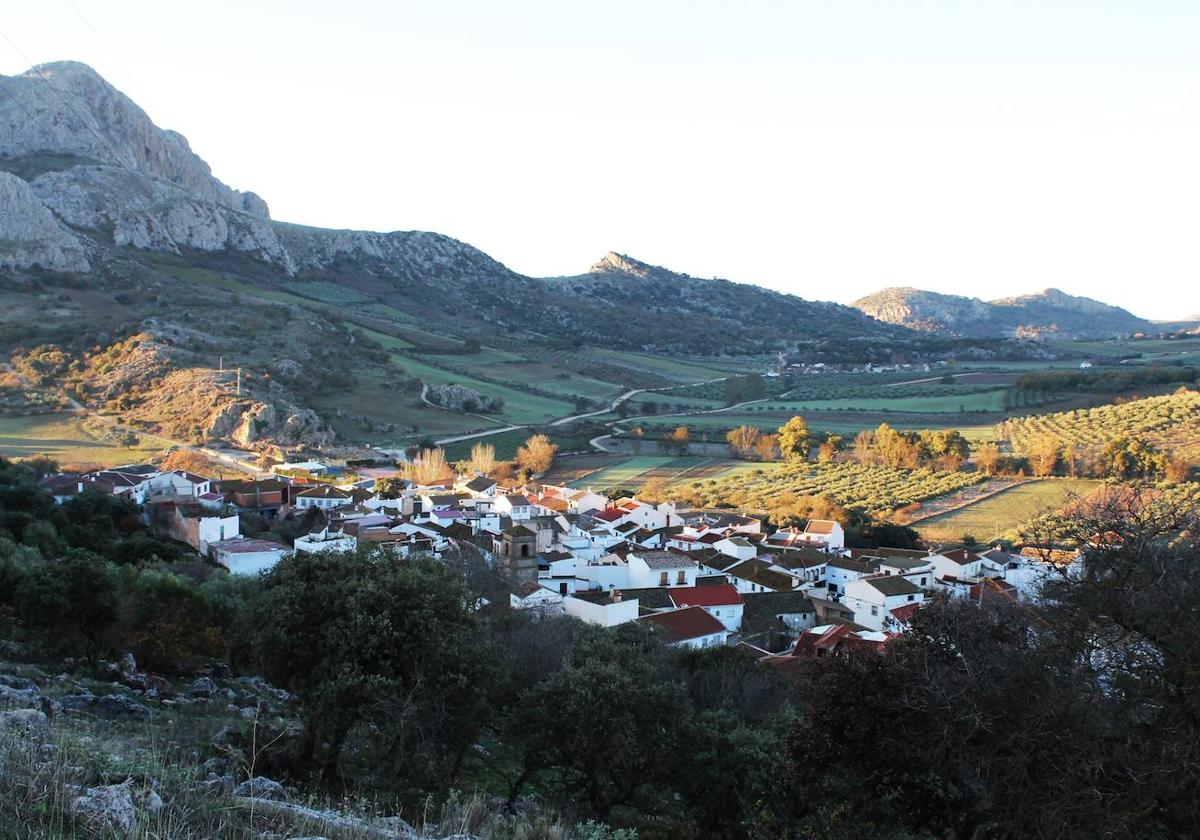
(323, 497)
(722, 601)
(604, 608)
(245, 556)
(531, 596)
(738, 547)
(325, 541)
(179, 483)
(840, 572)
(691, 627)
(874, 599)
(515, 506)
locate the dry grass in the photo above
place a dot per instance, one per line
(39, 780)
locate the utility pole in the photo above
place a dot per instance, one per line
(220, 364)
(239, 381)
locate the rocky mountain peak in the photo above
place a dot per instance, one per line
(76, 112)
(614, 263)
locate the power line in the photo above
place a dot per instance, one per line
(116, 159)
(33, 120)
(141, 91)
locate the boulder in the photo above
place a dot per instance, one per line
(248, 713)
(120, 706)
(32, 723)
(107, 807)
(20, 698)
(203, 687)
(19, 683)
(115, 807)
(78, 701)
(127, 672)
(260, 787)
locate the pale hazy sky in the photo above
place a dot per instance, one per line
(823, 148)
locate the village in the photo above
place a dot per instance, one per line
(706, 579)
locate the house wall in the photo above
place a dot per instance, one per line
(305, 545)
(605, 615)
(710, 641)
(213, 529)
(728, 614)
(249, 563)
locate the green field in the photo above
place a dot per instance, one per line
(1001, 515)
(638, 469)
(941, 404)
(61, 436)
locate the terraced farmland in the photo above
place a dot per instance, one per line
(873, 489)
(1170, 422)
(1002, 515)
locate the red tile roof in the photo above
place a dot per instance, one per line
(905, 613)
(611, 515)
(687, 623)
(719, 595)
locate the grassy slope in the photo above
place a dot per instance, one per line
(62, 437)
(1003, 514)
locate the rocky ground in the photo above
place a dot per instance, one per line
(110, 751)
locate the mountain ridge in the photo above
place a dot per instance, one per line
(1049, 312)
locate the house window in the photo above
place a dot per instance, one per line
(525, 549)
(912, 597)
(664, 579)
(874, 610)
(681, 578)
(562, 589)
(923, 581)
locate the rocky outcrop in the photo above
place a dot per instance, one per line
(77, 112)
(405, 252)
(459, 398)
(1047, 312)
(154, 214)
(115, 808)
(31, 236)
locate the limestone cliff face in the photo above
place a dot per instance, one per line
(31, 236)
(153, 214)
(1047, 312)
(77, 112)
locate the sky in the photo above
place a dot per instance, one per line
(827, 149)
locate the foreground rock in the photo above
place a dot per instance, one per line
(116, 807)
(333, 822)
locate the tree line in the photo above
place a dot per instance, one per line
(1073, 717)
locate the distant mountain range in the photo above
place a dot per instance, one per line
(1049, 313)
(89, 177)
(89, 186)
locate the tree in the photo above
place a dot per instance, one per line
(654, 490)
(864, 447)
(900, 450)
(428, 466)
(829, 448)
(743, 440)
(987, 457)
(362, 639)
(795, 439)
(76, 598)
(483, 458)
(1044, 451)
(389, 488)
(613, 697)
(1125, 457)
(680, 440)
(767, 447)
(637, 434)
(537, 454)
